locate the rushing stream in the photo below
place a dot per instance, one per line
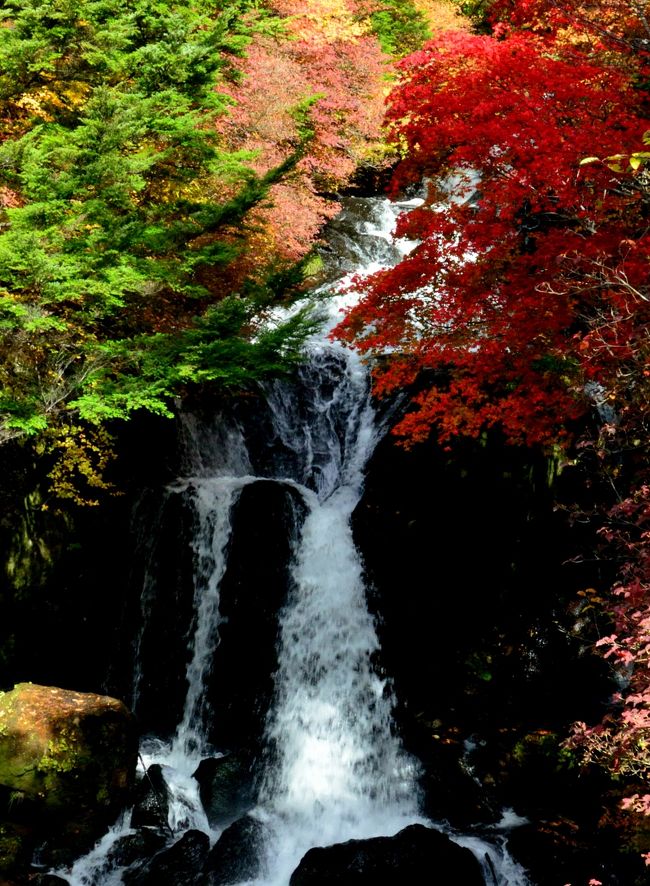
(333, 767)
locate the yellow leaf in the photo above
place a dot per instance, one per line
(638, 158)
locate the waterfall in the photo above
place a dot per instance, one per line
(216, 475)
(333, 767)
(336, 770)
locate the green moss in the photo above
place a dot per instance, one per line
(62, 755)
(479, 666)
(103, 795)
(62, 749)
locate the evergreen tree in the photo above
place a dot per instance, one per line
(116, 196)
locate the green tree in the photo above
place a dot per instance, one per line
(117, 195)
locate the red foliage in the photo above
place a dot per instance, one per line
(620, 742)
(617, 30)
(530, 288)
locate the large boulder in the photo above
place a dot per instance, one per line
(63, 751)
(134, 848)
(67, 764)
(417, 855)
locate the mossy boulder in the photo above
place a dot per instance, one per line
(64, 753)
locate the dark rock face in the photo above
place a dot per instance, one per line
(225, 787)
(417, 855)
(546, 848)
(161, 559)
(252, 592)
(476, 630)
(151, 807)
(235, 857)
(65, 576)
(180, 865)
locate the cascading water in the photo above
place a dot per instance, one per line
(337, 771)
(213, 490)
(333, 768)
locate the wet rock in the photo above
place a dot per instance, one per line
(64, 751)
(225, 787)
(417, 855)
(131, 848)
(252, 592)
(450, 790)
(344, 249)
(151, 806)
(236, 856)
(180, 865)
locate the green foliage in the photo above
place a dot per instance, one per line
(302, 116)
(145, 372)
(400, 27)
(120, 197)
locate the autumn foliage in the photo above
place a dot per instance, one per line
(163, 170)
(527, 283)
(322, 74)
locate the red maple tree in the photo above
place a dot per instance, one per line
(529, 287)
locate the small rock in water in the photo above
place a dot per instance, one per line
(180, 865)
(236, 856)
(151, 807)
(418, 855)
(225, 787)
(135, 847)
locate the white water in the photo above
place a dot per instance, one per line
(213, 501)
(335, 770)
(498, 867)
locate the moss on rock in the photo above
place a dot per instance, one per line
(66, 751)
